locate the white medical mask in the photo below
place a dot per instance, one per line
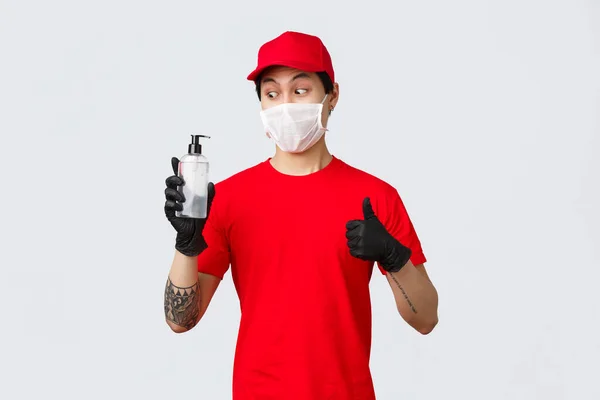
(294, 127)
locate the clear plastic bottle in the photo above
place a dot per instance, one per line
(193, 169)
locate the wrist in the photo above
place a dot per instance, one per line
(183, 258)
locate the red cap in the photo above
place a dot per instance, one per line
(294, 50)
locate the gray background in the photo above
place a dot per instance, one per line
(483, 114)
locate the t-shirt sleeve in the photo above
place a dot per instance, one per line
(215, 259)
(396, 220)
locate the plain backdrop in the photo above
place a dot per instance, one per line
(483, 114)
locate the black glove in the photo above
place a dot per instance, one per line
(369, 240)
(189, 239)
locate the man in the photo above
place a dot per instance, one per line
(301, 231)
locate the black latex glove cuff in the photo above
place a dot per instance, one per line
(397, 257)
(192, 245)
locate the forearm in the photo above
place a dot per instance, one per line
(416, 297)
(182, 294)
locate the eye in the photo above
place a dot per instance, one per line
(301, 91)
(272, 95)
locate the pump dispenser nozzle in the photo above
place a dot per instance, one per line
(195, 147)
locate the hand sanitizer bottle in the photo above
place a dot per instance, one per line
(193, 169)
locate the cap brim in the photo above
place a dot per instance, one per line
(290, 64)
(254, 74)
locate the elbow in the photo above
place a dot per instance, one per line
(422, 325)
(426, 328)
(176, 328)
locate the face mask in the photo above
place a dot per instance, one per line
(294, 127)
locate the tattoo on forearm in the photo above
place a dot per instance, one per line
(182, 304)
(412, 307)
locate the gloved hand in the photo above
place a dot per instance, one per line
(369, 240)
(189, 240)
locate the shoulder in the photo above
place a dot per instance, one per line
(385, 198)
(368, 180)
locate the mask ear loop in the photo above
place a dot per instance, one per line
(322, 102)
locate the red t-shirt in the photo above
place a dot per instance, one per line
(305, 328)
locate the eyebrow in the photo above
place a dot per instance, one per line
(298, 76)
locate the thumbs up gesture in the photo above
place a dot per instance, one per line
(369, 240)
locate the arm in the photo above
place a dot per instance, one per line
(394, 245)
(187, 293)
(416, 297)
(189, 289)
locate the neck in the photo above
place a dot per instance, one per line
(312, 160)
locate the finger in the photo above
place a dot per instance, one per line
(171, 207)
(174, 195)
(174, 181)
(354, 252)
(175, 165)
(353, 224)
(352, 233)
(353, 241)
(367, 208)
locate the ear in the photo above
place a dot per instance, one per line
(334, 96)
